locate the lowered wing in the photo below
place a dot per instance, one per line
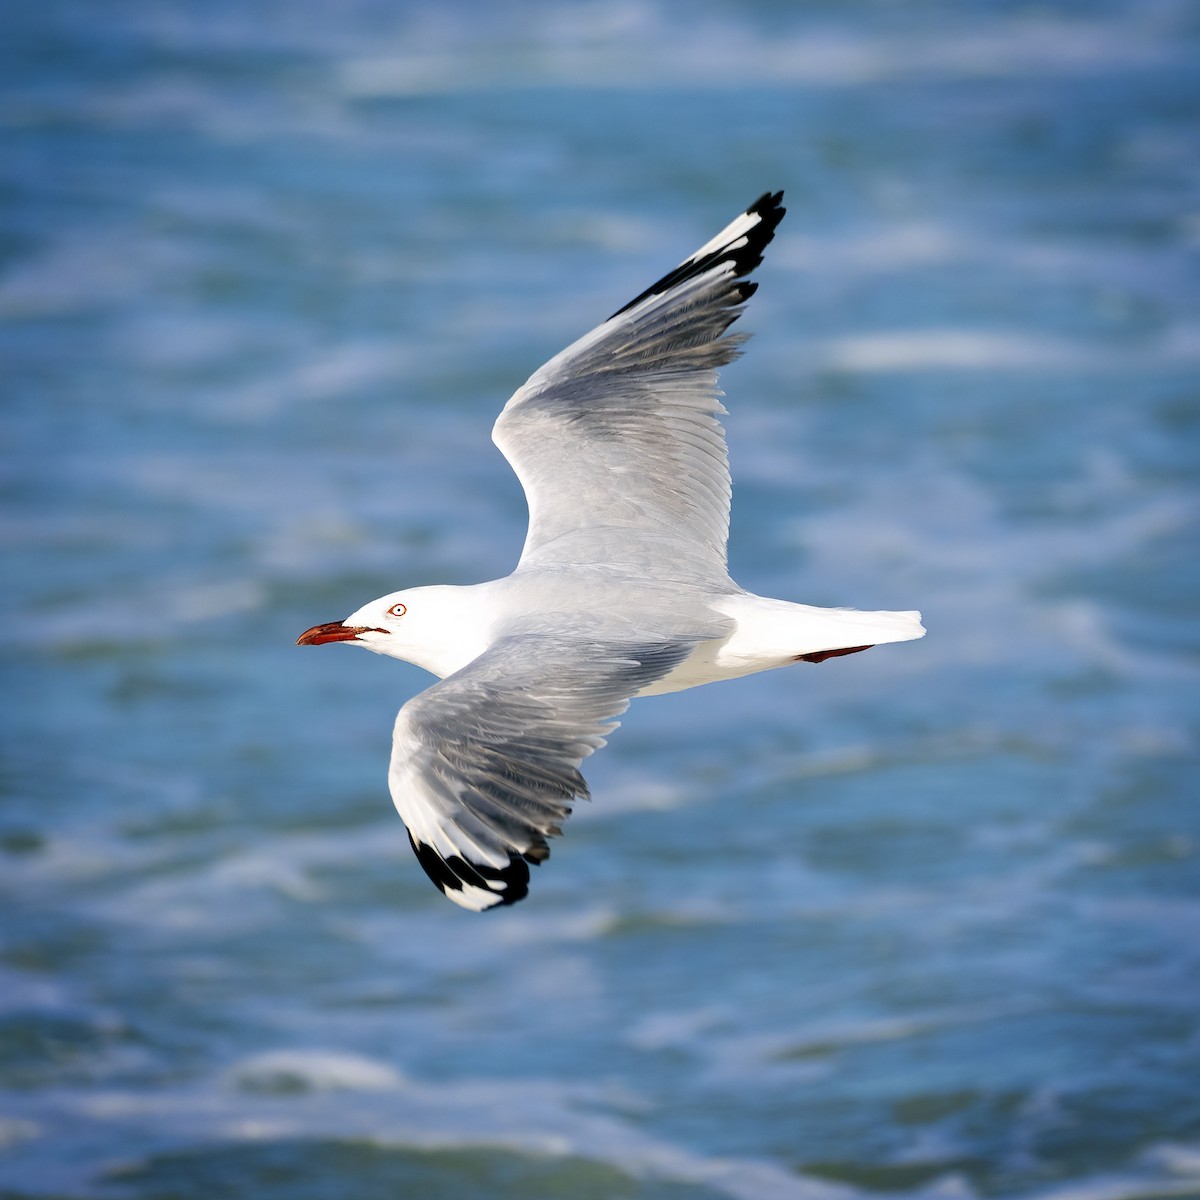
(485, 765)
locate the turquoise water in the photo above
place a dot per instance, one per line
(923, 921)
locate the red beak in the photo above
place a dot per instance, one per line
(335, 631)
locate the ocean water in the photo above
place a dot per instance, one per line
(920, 922)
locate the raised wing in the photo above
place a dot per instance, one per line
(485, 764)
(616, 440)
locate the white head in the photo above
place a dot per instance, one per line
(438, 628)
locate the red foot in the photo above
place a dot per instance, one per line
(822, 655)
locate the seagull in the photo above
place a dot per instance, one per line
(622, 588)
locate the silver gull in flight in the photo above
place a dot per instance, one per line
(622, 588)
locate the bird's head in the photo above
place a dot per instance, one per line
(426, 626)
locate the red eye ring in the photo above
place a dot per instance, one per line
(397, 610)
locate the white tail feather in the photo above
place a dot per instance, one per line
(775, 633)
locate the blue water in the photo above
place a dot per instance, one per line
(922, 921)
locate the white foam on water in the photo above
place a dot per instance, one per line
(335, 373)
(575, 50)
(524, 1116)
(952, 349)
(314, 1070)
(345, 1096)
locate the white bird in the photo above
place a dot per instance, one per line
(622, 588)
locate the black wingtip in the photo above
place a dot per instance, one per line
(744, 249)
(451, 875)
(769, 206)
(769, 202)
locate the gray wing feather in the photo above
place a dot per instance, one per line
(620, 431)
(485, 765)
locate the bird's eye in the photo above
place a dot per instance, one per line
(397, 610)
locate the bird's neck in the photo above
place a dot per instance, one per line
(456, 627)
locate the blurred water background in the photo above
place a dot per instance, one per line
(925, 921)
